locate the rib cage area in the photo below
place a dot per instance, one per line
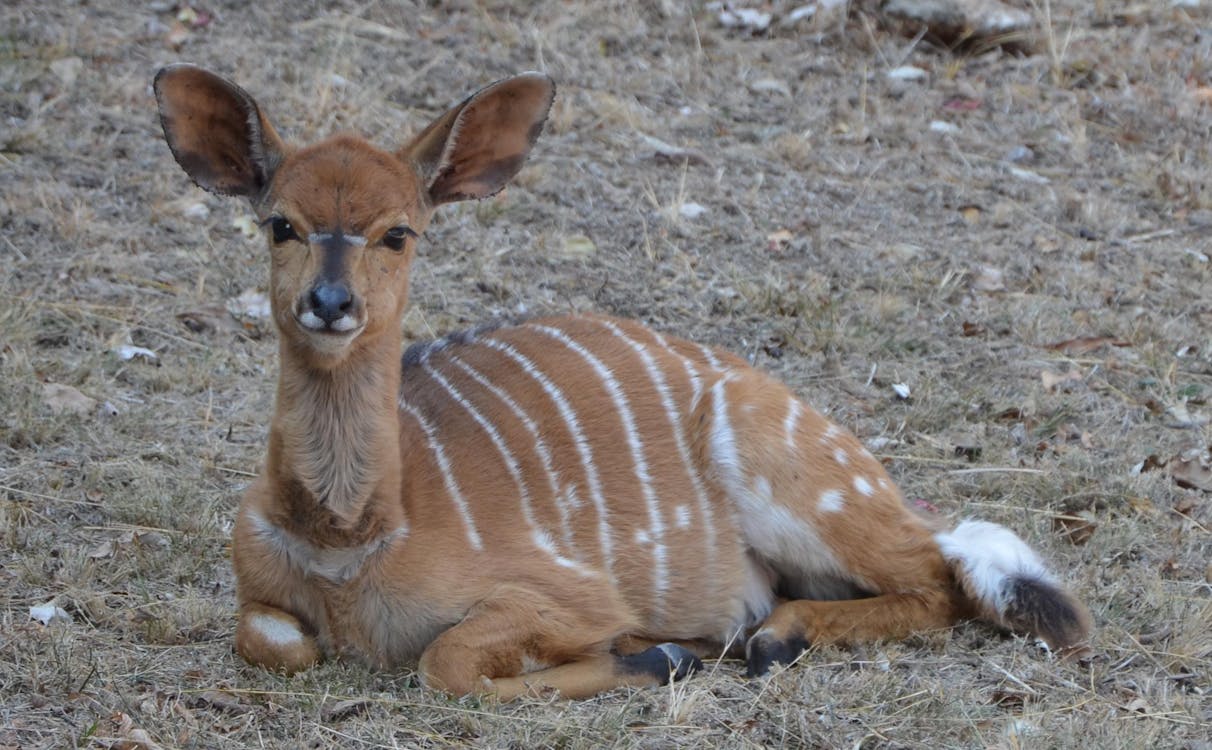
(579, 430)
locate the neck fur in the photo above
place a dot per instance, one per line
(338, 431)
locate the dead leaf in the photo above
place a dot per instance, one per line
(64, 399)
(222, 701)
(48, 613)
(1138, 705)
(779, 239)
(130, 736)
(1151, 462)
(1052, 380)
(1086, 344)
(667, 152)
(250, 304)
(103, 550)
(246, 226)
(1182, 418)
(1076, 528)
(988, 279)
(961, 104)
(342, 710)
(578, 246)
(1192, 469)
(972, 329)
(210, 319)
(971, 213)
(1142, 505)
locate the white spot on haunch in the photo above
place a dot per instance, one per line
(791, 422)
(830, 433)
(831, 501)
(863, 486)
(275, 631)
(839, 455)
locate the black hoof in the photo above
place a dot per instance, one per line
(664, 662)
(763, 650)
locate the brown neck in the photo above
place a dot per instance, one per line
(336, 433)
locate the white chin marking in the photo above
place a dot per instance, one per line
(310, 320)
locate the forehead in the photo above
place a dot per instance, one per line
(344, 182)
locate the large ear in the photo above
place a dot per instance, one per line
(477, 146)
(216, 131)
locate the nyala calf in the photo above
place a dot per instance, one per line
(571, 503)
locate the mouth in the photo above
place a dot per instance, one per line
(340, 330)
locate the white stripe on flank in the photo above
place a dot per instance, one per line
(452, 486)
(712, 360)
(794, 409)
(656, 525)
(675, 425)
(538, 535)
(578, 438)
(723, 441)
(692, 372)
(540, 446)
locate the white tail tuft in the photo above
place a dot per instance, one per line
(1010, 586)
(989, 559)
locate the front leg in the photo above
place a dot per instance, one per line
(519, 642)
(274, 639)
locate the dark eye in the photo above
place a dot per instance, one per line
(394, 237)
(282, 230)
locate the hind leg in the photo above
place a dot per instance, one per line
(796, 625)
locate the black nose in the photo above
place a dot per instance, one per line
(330, 300)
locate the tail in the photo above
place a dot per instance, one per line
(1010, 586)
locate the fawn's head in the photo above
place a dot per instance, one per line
(342, 216)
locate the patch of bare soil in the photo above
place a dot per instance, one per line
(1018, 240)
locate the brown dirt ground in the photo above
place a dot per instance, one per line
(899, 255)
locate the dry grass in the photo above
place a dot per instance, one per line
(912, 257)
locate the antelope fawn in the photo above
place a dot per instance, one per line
(572, 503)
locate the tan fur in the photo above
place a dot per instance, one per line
(519, 509)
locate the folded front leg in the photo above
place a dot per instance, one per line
(520, 641)
(274, 639)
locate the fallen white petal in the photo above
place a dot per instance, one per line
(48, 613)
(1029, 176)
(196, 211)
(901, 389)
(907, 73)
(692, 210)
(127, 352)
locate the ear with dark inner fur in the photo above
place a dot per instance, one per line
(216, 131)
(473, 149)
